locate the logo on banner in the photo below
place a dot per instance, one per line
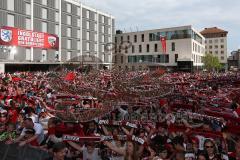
(6, 35)
(52, 41)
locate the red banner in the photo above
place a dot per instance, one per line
(164, 45)
(11, 36)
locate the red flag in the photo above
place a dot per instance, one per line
(16, 79)
(164, 45)
(70, 76)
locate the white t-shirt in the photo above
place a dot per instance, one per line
(38, 131)
(93, 156)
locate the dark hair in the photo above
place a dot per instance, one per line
(214, 145)
(57, 147)
(202, 153)
(28, 119)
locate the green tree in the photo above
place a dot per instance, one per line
(211, 63)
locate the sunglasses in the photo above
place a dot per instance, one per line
(208, 146)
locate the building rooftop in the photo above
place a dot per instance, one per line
(213, 30)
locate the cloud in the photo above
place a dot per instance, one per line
(152, 14)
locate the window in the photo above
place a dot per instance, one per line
(222, 40)
(28, 8)
(88, 14)
(95, 37)
(109, 30)
(176, 58)
(103, 29)
(69, 44)
(103, 57)
(216, 46)
(57, 4)
(128, 38)
(222, 46)
(95, 17)
(87, 25)
(222, 58)
(103, 19)
(210, 52)
(135, 38)
(142, 37)
(78, 11)
(28, 23)
(10, 5)
(216, 41)
(69, 20)
(222, 52)
(109, 21)
(121, 59)
(69, 8)
(173, 46)
(88, 36)
(56, 16)
(78, 45)
(216, 52)
(28, 54)
(210, 47)
(44, 2)
(57, 29)
(44, 13)
(103, 39)
(78, 22)
(95, 47)
(193, 46)
(78, 33)
(140, 48)
(121, 39)
(210, 41)
(126, 49)
(87, 46)
(44, 55)
(133, 49)
(155, 48)
(95, 27)
(44, 26)
(103, 50)
(68, 56)
(69, 32)
(148, 47)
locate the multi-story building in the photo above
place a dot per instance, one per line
(216, 43)
(234, 60)
(82, 31)
(185, 48)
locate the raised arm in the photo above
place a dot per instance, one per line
(120, 151)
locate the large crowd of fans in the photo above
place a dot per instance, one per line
(196, 119)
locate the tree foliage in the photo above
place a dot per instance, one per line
(211, 63)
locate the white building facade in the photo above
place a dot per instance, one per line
(185, 48)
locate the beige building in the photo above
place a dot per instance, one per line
(185, 48)
(216, 43)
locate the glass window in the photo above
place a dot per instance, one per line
(216, 52)
(140, 48)
(95, 47)
(95, 17)
(78, 22)
(210, 47)
(57, 29)
(68, 56)
(210, 41)
(95, 37)
(103, 57)
(44, 2)
(69, 30)
(69, 8)
(56, 16)
(103, 38)
(176, 57)
(69, 44)
(103, 29)
(155, 48)
(28, 23)
(57, 4)
(173, 46)
(87, 25)
(78, 11)
(44, 26)
(222, 46)
(28, 8)
(10, 5)
(103, 19)
(222, 52)
(128, 38)
(88, 14)
(222, 58)
(142, 37)
(216, 46)
(10, 20)
(87, 46)
(69, 20)
(133, 49)
(88, 36)
(95, 27)
(103, 48)
(44, 13)
(78, 33)
(148, 48)
(78, 45)
(222, 40)
(216, 41)
(135, 38)
(28, 54)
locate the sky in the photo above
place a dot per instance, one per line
(138, 15)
